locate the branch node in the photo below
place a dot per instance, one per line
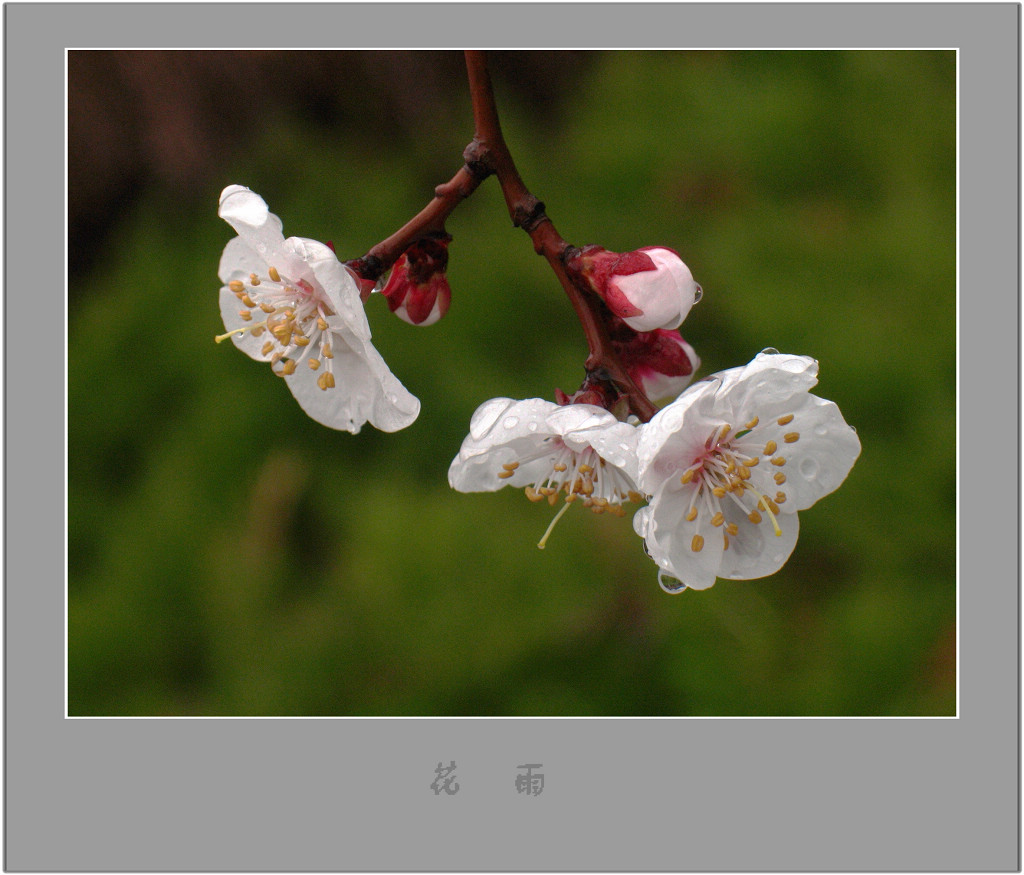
(528, 213)
(478, 160)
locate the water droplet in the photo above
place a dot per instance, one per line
(853, 428)
(531, 425)
(392, 397)
(809, 468)
(511, 421)
(486, 415)
(697, 295)
(625, 448)
(670, 584)
(820, 430)
(769, 350)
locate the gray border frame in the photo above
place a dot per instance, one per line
(624, 795)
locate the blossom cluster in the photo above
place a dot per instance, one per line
(714, 479)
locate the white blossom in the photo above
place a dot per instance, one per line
(729, 463)
(579, 451)
(292, 303)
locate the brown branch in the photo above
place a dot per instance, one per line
(488, 153)
(429, 221)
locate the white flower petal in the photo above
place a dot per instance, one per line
(316, 318)
(821, 459)
(747, 449)
(239, 260)
(230, 307)
(689, 550)
(756, 551)
(365, 390)
(248, 214)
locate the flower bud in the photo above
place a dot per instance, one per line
(417, 290)
(660, 362)
(650, 288)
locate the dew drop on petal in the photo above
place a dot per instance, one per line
(820, 430)
(853, 428)
(624, 447)
(769, 350)
(697, 295)
(486, 416)
(809, 468)
(670, 584)
(511, 421)
(532, 425)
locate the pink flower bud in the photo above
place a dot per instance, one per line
(650, 288)
(660, 362)
(417, 290)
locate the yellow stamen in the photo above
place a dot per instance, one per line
(635, 496)
(314, 364)
(561, 466)
(753, 423)
(321, 323)
(328, 353)
(510, 466)
(780, 497)
(779, 460)
(752, 463)
(267, 347)
(586, 469)
(779, 478)
(543, 541)
(687, 477)
(725, 542)
(288, 368)
(792, 437)
(249, 302)
(220, 338)
(236, 286)
(718, 519)
(769, 507)
(301, 340)
(504, 475)
(274, 275)
(697, 544)
(267, 308)
(718, 492)
(325, 381)
(246, 315)
(254, 279)
(733, 529)
(770, 448)
(785, 420)
(691, 515)
(744, 472)
(532, 494)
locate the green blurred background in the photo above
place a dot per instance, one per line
(228, 556)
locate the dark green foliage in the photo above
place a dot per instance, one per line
(230, 557)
